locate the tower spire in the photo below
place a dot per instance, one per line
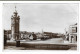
(15, 12)
(15, 7)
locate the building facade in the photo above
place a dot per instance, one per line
(73, 33)
(7, 34)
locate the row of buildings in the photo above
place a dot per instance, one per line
(23, 35)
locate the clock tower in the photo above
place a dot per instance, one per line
(15, 20)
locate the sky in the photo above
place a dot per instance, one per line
(35, 17)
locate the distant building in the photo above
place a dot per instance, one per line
(73, 33)
(24, 34)
(39, 35)
(7, 34)
(50, 35)
(32, 36)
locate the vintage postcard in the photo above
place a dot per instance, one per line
(40, 26)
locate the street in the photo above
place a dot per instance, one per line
(51, 44)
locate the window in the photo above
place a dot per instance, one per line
(74, 29)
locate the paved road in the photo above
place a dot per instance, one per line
(48, 41)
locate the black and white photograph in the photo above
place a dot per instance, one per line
(40, 26)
